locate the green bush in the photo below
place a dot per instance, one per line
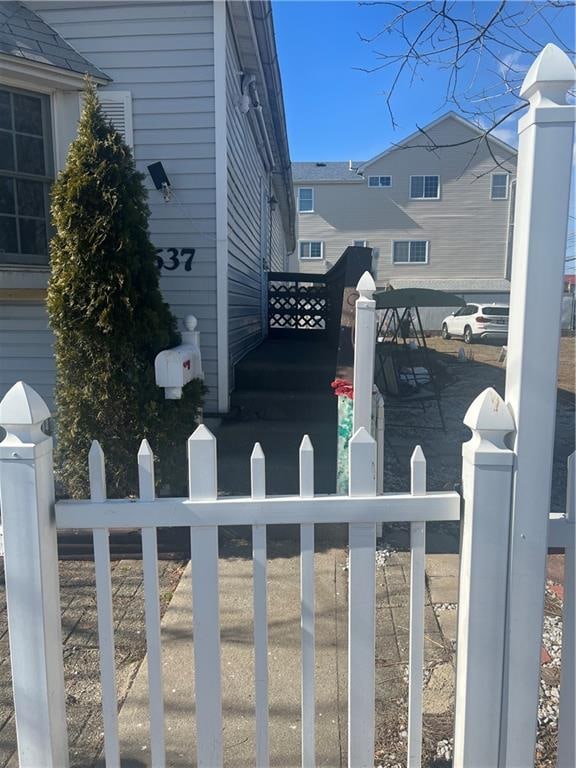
(109, 319)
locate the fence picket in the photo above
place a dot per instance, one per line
(97, 477)
(152, 611)
(566, 736)
(361, 607)
(259, 560)
(307, 610)
(417, 594)
(204, 554)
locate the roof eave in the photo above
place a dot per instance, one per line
(47, 75)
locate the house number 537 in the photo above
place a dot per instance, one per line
(172, 258)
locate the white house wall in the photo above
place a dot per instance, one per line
(247, 234)
(163, 54)
(467, 230)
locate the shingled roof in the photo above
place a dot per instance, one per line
(23, 34)
(325, 172)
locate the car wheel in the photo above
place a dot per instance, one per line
(445, 334)
(468, 338)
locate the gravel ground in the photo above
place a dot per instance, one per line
(81, 658)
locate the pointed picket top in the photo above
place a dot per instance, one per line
(551, 75)
(97, 472)
(366, 286)
(22, 412)
(202, 472)
(306, 455)
(490, 418)
(146, 472)
(258, 472)
(202, 433)
(362, 436)
(418, 471)
(257, 452)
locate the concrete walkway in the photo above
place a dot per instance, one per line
(238, 663)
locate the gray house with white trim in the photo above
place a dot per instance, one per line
(194, 85)
(436, 218)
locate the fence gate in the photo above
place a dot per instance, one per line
(505, 528)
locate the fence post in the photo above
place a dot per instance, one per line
(487, 467)
(32, 586)
(542, 206)
(364, 341)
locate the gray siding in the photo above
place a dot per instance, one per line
(277, 243)
(247, 232)
(162, 52)
(26, 348)
(466, 230)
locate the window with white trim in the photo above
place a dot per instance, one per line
(410, 252)
(305, 200)
(379, 181)
(499, 189)
(26, 173)
(311, 249)
(424, 187)
(360, 243)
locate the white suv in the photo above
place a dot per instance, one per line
(477, 321)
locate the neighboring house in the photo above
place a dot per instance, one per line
(437, 219)
(194, 85)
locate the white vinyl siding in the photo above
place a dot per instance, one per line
(410, 252)
(499, 187)
(162, 54)
(26, 352)
(311, 249)
(376, 182)
(249, 219)
(305, 200)
(424, 187)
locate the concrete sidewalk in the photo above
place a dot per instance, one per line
(238, 666)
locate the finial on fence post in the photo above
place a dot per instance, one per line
(364, 350)
(366, 286)
(22, 413)
(549, 78)
(489, 418)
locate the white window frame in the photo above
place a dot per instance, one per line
(363, 243)
(380, 186)
(410, 263)
(507, 175)
(311, 210)
(310, 258)
(423, 176)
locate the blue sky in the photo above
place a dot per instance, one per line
(334, 111)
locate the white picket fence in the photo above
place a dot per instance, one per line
(505, 530)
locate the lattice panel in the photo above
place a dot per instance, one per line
(297, 306)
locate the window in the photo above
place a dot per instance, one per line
(496, 311)
(361, 243)
(379, 181)
(311, 249)
(305, 200)
(424, 187)
(25, 177)
(499, 186)
(410, 252)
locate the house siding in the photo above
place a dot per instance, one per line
(466, 230)
(163, 53)
(248, 184)
(26, 348)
